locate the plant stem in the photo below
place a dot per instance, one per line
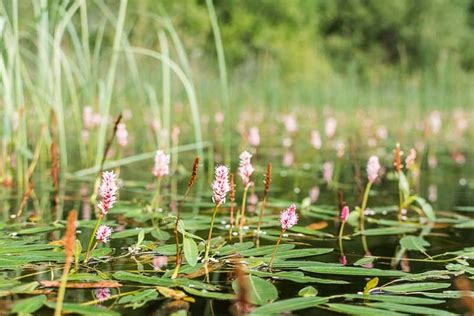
(341, 229)
(275, 249)
(208, 246)
(91, 239)
(260, 218)
(364, 205)
(178, 251)
(242, 215)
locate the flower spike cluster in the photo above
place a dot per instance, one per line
(162, 164)
(288, 217)
(103, 233)
(373, 168)
(108, 190)
(245, 168)
(220, 186)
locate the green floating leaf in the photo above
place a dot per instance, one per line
(208, 294)
(266, 250)
(139, 299)
(29, 305)
(160, 234)
(260, 291)
(300, 253)
(234, 248)
(296, 276)
(411, 309)
(89, 277)
(415, 243)
(190, 250)
(36, 230)
(364, 261)
(342, 270)
(396, 299)
(289, 305)
(132, 232)
(360, 310)
(370, 285)
(415, 287)
(389, 231)
(84, 309)
(308, 291)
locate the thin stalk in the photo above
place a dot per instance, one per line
(242, 215)
(260, 218)
(208, 246)
(92, 237)
(275, 249)
(364, 205)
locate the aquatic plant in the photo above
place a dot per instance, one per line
(245, 172)
(288, 219)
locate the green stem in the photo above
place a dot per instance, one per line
(242, 215)
(275, 249)
(364, 205)
(341, 230)
(92, 237)
(260, 218)
(208, 246)
(178, 251)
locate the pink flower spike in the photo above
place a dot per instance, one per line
(245, 168)
(122, 135)
(344, 213)
(254, 137)
(103, 233)
(162, 164)
(373, 168)
(102, 294)
(108, 189)
(288, 217)
(410, 160)
(160, 262)
(220, 186)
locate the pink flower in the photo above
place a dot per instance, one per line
(341, 148)
(330, 127)
(382, 132)
(373, 168)
(344, 213)
(314, 194)
(175, 134)
(288, 217)
(435, 121)
(108, 190)
(160, 262)
(316, 140)
(162, 162)
(288, 159)
(103, 233)
(410, 160)
(245, 168)
(102, 294)
(220, 186)
(433, 193)
(328, 169)
(290, 123)
(219, 117)
(254, 137)
(343, 260)
(287, 142)
(122, 135)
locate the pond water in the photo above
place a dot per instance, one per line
(441, 248)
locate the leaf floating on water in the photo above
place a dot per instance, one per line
(371, 285)
(396, 299)
(266, 250)
(360, 310)
(139, 299)
(318, 225)
(260, 291)
(289, 305)
(389, 231)
(208, 294)
(308, 291)
(300, 253)
(415, 243)
(29, 305)
(415, 287)
(297, 276)
(364, 261)
(342, 270)
(84, 309)
(411, 309)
